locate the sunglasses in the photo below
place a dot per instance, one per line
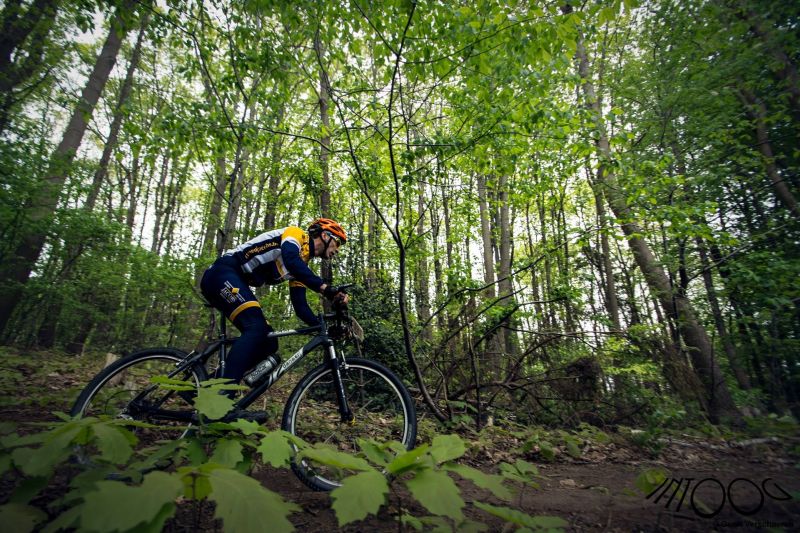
(335, 238)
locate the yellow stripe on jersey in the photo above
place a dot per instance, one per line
(246, 305)
(293, 234)
(294, 283)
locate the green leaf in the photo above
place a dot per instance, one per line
(374, 452)
(489, 482)
(275, 449)
(359, 495)
(247, 427)
(28, 489)
(20, 518)
(522, 519)
(112, 443)
(650, 479)
(196, 453)
(572, 447)
(447, 447)
(244, 505)
(64, 522)
(329, 456)
(407, 461)
(227, 452)
(116, 506)
(212, 404)
(547, 451)
(413, 521)
(437, 493)
(471, 526)
(5, 463)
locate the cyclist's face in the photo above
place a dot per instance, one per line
(332, 247)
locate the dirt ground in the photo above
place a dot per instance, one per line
(750, 485)
(601, 496)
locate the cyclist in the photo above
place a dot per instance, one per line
(271, 258)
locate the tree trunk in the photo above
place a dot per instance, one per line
(720, 402)
(15, 272)
(505, 283)
(214, 218)
(422, 285)
(325, 146)
(119, 113)
(32, 26)
(758, 113)
(733, 360)
(788, 71)
(486, 236)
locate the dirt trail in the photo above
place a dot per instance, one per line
(602, 495)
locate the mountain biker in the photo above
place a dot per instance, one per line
(268, 259)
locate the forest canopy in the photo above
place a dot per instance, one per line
(558, 211)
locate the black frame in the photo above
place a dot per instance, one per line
(320, 339)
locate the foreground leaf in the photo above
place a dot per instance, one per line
(212, 404)
(112, 443)
(447, 447)
(359, 495)
(20, 518)
(407, 461)
(335, 458)
(116, 506)
(489, 482)
(437, 493)
(522, 519)
(227, 452)
(275, 449)
(246, 506)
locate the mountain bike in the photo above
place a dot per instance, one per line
(341, 400)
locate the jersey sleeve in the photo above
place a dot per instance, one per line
(297, 294)
(292, 260)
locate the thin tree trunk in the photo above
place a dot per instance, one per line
(325, 145)
(15, 272)
(422, 285)
(116, 123)
(486, 236)
(758, 113)
(214, 218)
(733, 360)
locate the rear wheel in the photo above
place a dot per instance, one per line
(381, 405)
(125, 390)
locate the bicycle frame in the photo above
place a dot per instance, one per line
(321, 339)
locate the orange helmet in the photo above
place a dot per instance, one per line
(331, 226)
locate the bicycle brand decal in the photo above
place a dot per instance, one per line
(723, 493)
(289, 362)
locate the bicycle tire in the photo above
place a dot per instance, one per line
(377, 398)
(110, 393)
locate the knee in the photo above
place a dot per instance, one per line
(270, 344)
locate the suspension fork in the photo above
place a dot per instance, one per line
(344, 409)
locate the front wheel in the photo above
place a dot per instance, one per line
(381, 405)
(125, 390)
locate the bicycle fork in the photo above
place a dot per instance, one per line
(344, 409)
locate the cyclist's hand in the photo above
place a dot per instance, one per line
(335, 295)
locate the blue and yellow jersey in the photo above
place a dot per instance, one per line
(276, 256)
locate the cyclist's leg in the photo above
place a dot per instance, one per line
(253, 346)
(224, 287)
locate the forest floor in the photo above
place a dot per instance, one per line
(749, 484)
